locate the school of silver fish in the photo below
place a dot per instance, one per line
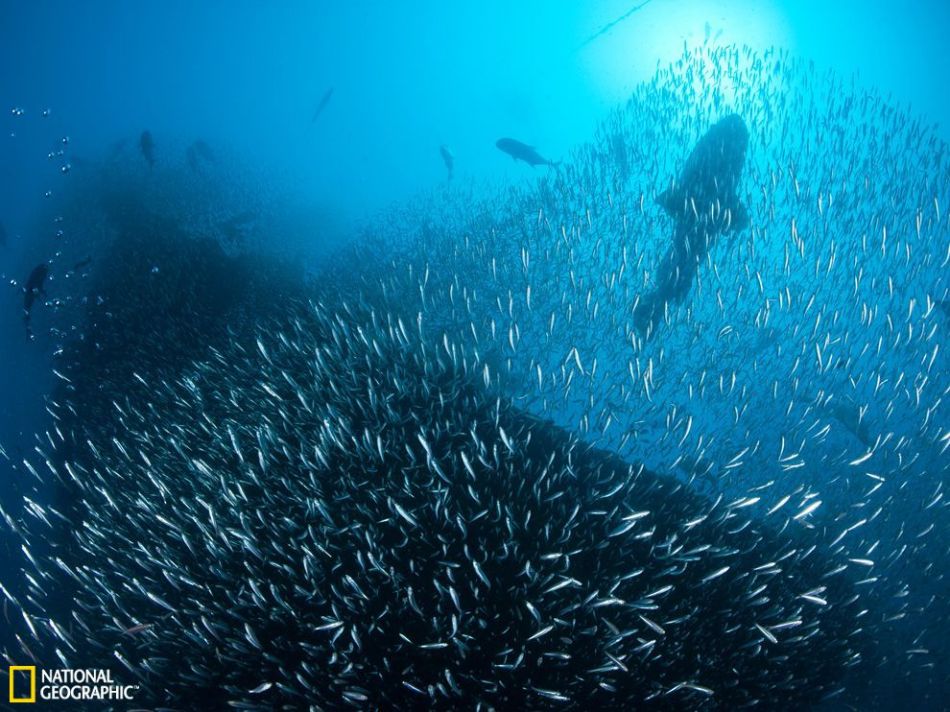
(460, 478)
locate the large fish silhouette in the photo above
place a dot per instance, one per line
(704, 204)
(523, 152)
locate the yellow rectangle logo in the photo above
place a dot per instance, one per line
(22, 668)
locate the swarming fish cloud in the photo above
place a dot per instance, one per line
(350, 516)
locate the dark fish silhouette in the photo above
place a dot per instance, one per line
(704, 204)
(81, 264)
(522, 151)
(448, 159)
(147, 145)
(322, 105)
(31, 290)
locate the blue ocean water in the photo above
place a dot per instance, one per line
(288, 152)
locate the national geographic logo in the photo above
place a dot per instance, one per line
(65, 684)
(30, 695)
